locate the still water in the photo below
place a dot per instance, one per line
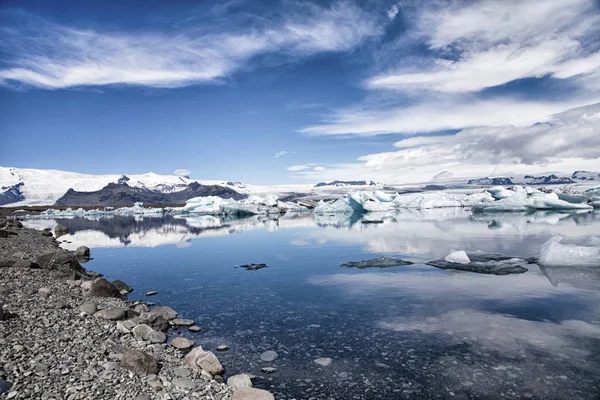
(403, 332)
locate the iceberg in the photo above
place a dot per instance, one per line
(528, 199)
(459, 257)
(556, 254)
(253, 205)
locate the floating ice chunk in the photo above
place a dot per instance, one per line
(530, 200)
(500, 192)
(458, 257)
(555, 254)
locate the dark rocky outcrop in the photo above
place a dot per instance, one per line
(102, 288)
(499, 181)
(121, 194)
(547, 180)
(346, 183)
(63, 262)
(139, 362)
(11, 194)
(380, 262)
(486, 263)
(253, 267)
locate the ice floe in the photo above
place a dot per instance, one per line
(555, 254)
(528, 199)
(253, 205)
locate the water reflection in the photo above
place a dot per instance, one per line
(404, 332)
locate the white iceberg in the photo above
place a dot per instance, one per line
(528, 199)
(253, 205)
(458, 257)
(555, 254)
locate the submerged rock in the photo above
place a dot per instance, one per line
(269, 356)
(380, 262)
(485, 263)
(253, 267)
(324, 361)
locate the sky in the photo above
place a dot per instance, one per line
(274, 92)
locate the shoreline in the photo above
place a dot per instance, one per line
(67, 333)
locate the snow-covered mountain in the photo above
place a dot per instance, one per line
(491, 181)
(586, 176)
(347, 183)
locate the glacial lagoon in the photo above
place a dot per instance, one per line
(412, 331)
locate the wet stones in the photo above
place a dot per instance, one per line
(139, 362)
(194, 328)
(269, 356)
(167, 312)
(253, 267)
(485, 263)
(324, 361)
(222, 347)
(122, 287)
(380, 262)
(151, 293)
(154, 320)
(268, 370)
(239, 381)
(60, 230)
(144, 332)
(251, 394)
(200, 360)
(182, 322)
(182, 344)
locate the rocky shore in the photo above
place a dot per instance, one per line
(67, 333)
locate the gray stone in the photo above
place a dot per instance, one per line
(151, 293)
(199, 360)
(60, 230)
(63, 262)
(45, 292)
(112, 314)
(25, 264)
(125, 326)
(156, 337)
(184, 383)
(122, 287)
(102, 288)
(194, 328)
(82, 251)
(269, 356)
(165, 311)
(155, 321)
(88, 308)
(239, 381)
(268, 370)
(139, 362)
(222, 347)
(183, 322)
(182, 343)
(324, 361)
(140, 331)
(251, 394)
(140, 308)
(380, 262)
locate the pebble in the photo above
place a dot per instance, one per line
(268, 370)
(324, 361)
(222, 347)
(194, 328)
(183, 322)
(182, 343)
(151, 293)
(269, 356)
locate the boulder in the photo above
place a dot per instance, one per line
(112, 314)
(125, 326)
(239, 381)
(155, 321)
(251, 394)
(140, 308)
(380, 262)
(60, 230)
(122, 287)
(199, 360)
(182, 343)
(139, 362)
(102, 288)
(83, 252)
(156, 337)
(63, 262)
(144, 332)
(88, 308)
(183, 322)
(165, 311)
(45, 292)
(46, 233)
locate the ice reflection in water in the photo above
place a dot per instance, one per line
(404, 332)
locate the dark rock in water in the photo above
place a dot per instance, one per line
(372, 221)
(121, 194)
(486, 263)
(62, 261)
(3, 233)
(103, 288)
(139, 362)
(380, 262)
(253, 267)
(122, 287)
(434, 187)
(268, 370)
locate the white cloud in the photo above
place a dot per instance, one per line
(53, 56)
(393, 11)
(182, 172)
(567, 141)
(295, 168)
(282, 153)
(493, 43)
(319, 168)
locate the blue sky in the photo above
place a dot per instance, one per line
(294, 91)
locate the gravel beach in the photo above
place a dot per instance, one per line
(66, 333)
